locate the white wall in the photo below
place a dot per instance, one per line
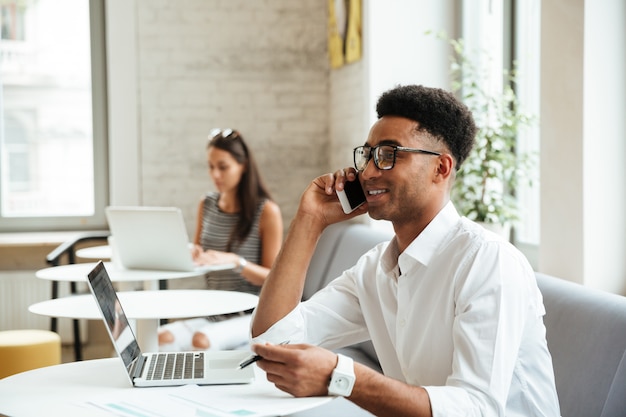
(583, 184)
(399, 50)
(561, 118)
(178, 68)
(604, 145)
(123, 110)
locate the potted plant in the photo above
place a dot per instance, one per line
(484, 190)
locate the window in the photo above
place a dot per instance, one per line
(12, 22)
(52, 115)
(510, 31)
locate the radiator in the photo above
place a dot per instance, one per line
(20, 289)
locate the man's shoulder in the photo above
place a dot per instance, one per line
(469, 237)
(487, 244)
(478, 232)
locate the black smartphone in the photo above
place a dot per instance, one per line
(352, 196)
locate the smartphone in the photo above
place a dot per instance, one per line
(352, 196)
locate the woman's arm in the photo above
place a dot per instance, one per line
(197, 236)
(196, 250)
(271, 234)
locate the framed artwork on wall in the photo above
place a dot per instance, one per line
(344, 32)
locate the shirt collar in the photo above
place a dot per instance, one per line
(426, 243)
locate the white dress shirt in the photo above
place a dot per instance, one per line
(458, 312)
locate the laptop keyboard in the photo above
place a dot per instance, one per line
(176, 365)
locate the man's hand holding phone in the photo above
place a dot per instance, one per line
(352, 196)
(320, 198)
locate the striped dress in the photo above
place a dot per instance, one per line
(216, 228)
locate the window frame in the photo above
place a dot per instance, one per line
(527, 236)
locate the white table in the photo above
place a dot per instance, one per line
(78, 273)
(64, 390)
(147, 307)
(122, 276)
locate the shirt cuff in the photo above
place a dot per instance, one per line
(290, 328)
(448, 401)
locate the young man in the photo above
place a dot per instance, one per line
(453, 311)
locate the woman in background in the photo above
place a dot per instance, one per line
(238, 224)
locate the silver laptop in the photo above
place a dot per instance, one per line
(156, 369)
(153, 238)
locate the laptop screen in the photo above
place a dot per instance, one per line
(115, 320)
(150, 238)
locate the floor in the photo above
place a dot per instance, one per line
(97, 346)
(90, 351)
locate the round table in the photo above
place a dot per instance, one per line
(147, 307)
(67, 390)
(78, 273)
(122, 276)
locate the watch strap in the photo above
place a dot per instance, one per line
(241, 264)
(342, 378)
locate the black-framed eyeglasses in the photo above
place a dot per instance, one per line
(384, 155)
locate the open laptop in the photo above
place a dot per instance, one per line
(155, 369)
(153, 238)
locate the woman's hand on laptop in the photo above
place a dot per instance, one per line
(213, 257)
(196, 252)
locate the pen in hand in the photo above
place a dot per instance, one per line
(254, 358)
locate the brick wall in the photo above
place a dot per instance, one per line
(258, 66)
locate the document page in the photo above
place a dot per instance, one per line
(248, 400)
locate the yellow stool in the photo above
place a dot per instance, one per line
(23, 350)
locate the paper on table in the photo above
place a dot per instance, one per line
(256, 400)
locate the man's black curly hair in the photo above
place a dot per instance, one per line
(437, 111)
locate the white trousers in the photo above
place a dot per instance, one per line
(228, 334)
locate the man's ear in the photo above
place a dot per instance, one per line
(445, 166)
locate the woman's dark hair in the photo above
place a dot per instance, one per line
(437, 112)
(250, 190)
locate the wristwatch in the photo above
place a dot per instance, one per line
(342, 378)
(241, 265)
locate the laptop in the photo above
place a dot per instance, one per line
(158, 369)
(153, 238)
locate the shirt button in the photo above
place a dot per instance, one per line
(402, 322)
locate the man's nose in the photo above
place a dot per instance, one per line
(370, 170)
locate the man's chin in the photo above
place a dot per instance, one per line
(376, 213)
